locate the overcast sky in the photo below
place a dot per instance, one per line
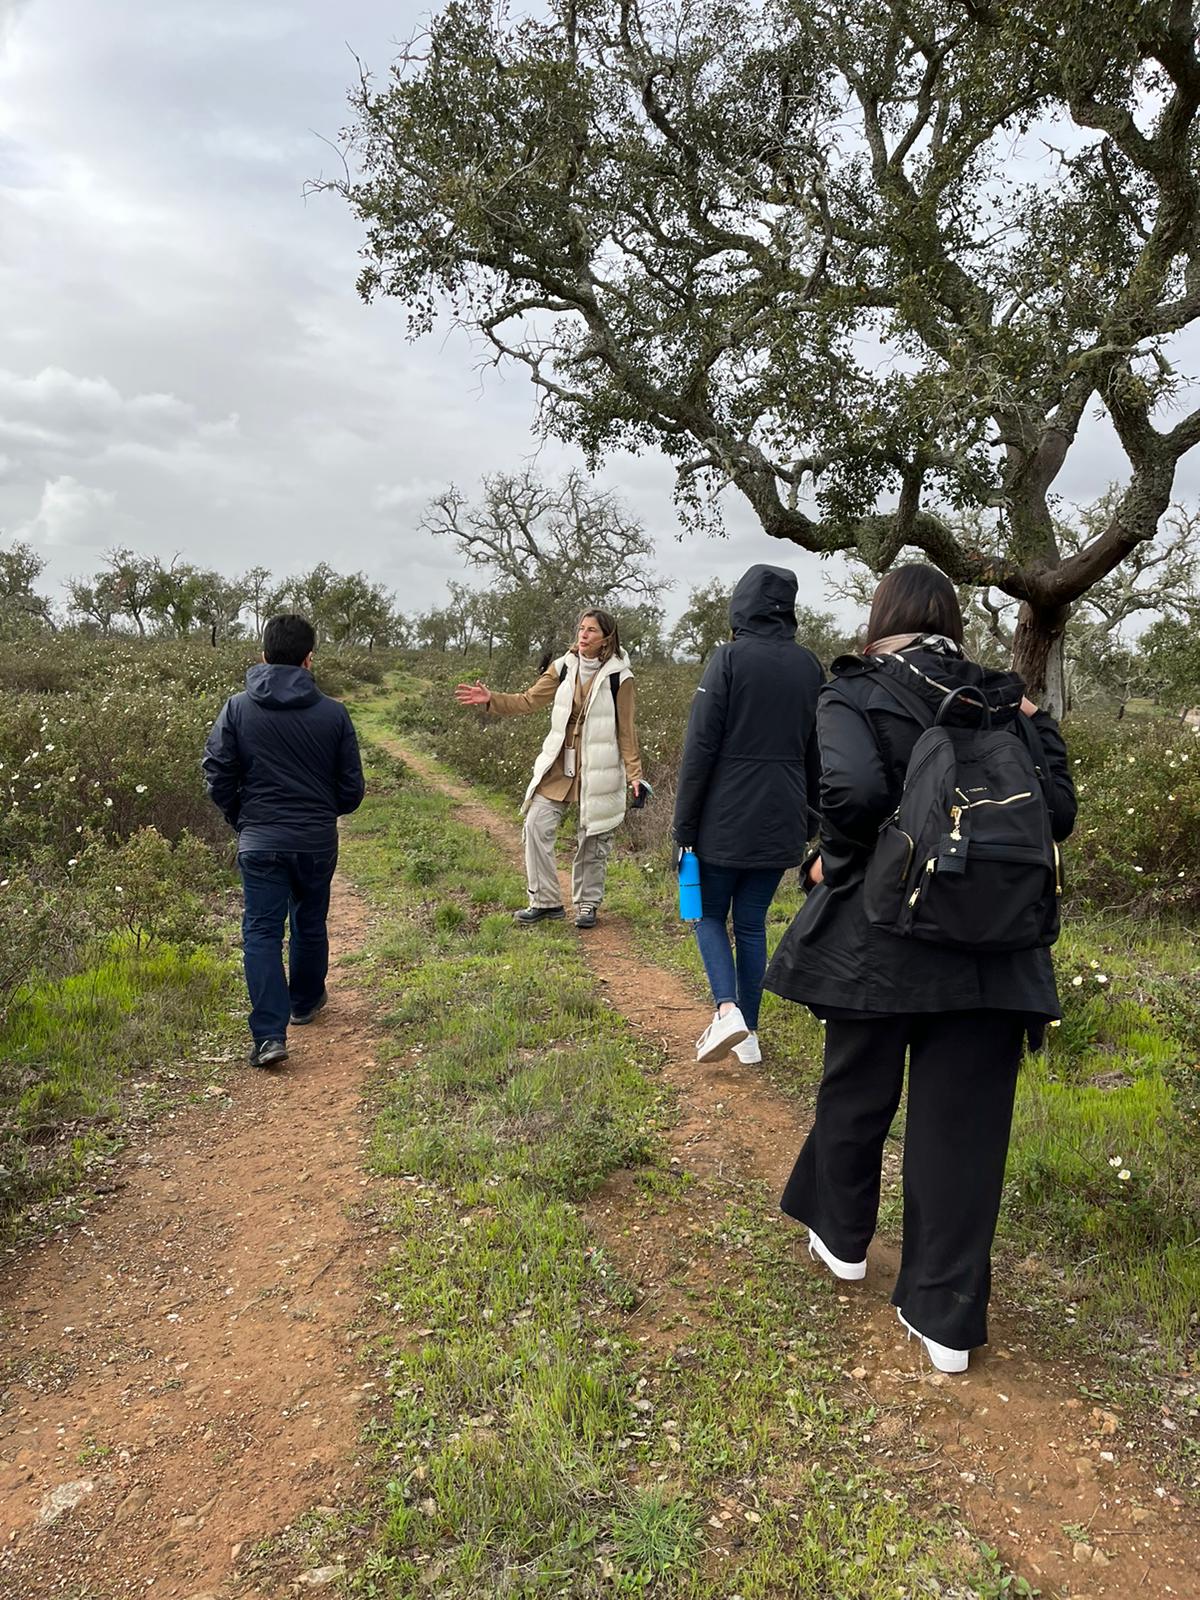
(184, 363)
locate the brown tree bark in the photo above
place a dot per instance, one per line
(1037, 654)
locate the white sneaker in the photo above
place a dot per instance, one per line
(849, 1271)
(723, 1032)
(748, 1052)
(943, 1357)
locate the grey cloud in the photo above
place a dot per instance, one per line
(72, 514)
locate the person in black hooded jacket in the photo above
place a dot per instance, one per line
(960, 1017)
(282, 765)
(744, 796)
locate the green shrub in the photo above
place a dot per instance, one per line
(1137, 842)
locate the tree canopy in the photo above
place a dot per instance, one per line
(550, 550)
(872, 263)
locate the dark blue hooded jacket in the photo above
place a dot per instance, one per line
(750, 772)
(282, 762)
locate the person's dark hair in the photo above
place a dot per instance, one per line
(608, 627)
(914, 599)
(288, 640)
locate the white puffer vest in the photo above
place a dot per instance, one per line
(602, 772)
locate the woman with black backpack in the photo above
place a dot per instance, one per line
(933, 901)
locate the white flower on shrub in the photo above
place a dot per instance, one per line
(139, 789)
(1116, 1161)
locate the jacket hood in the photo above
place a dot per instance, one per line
(929, 674)
(281, 688)
(764, 602)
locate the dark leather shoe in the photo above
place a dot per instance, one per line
(539, 914)
(585, 917)
(301, 1019)
(268, 1052)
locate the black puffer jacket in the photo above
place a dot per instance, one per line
(749, 773)
(282, 762)
(831, 958)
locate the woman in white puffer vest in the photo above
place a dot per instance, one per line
(588, 759)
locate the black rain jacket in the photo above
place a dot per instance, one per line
(749, 773)
(282, 764)
(831, 958)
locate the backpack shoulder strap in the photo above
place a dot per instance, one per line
(908, 698)
(1032, 740)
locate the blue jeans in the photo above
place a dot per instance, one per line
(749, 891)
(284, 886)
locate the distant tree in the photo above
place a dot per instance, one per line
(22, 609)
(1169, 657)
(344, 608)
(259, 588)
(173, 596)
(219, 604)
(135, 581)
(94, 602)
(888, 256)
(642, 631)
(550, 549)
(435, 629)
(704, 622)
(823, 634)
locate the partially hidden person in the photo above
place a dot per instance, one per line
(745, 800)
(282, 765)
(589, 758)
(924, 954)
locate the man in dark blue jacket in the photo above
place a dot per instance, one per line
(282, 765)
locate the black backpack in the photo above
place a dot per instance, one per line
(967, 859)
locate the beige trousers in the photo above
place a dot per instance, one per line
(587, 871)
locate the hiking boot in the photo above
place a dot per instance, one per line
(723, 1032)
(533, 914)
(585, 917)
(301, 1019)
(944, 1358)
(268, 1052)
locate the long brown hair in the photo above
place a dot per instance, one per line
(608, 627)
(914, 599)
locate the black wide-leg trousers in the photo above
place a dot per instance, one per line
(962, 1078)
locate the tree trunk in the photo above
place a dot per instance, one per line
(1038, 654)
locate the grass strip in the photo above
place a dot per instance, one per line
(82, 1053)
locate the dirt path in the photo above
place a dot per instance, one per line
(1064, 1488)
(179, 1373)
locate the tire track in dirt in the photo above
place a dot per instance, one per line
(183, 1365)
(1066, 1490)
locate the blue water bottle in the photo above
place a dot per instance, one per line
(689, 887)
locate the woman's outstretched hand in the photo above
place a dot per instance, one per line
(473, 694)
